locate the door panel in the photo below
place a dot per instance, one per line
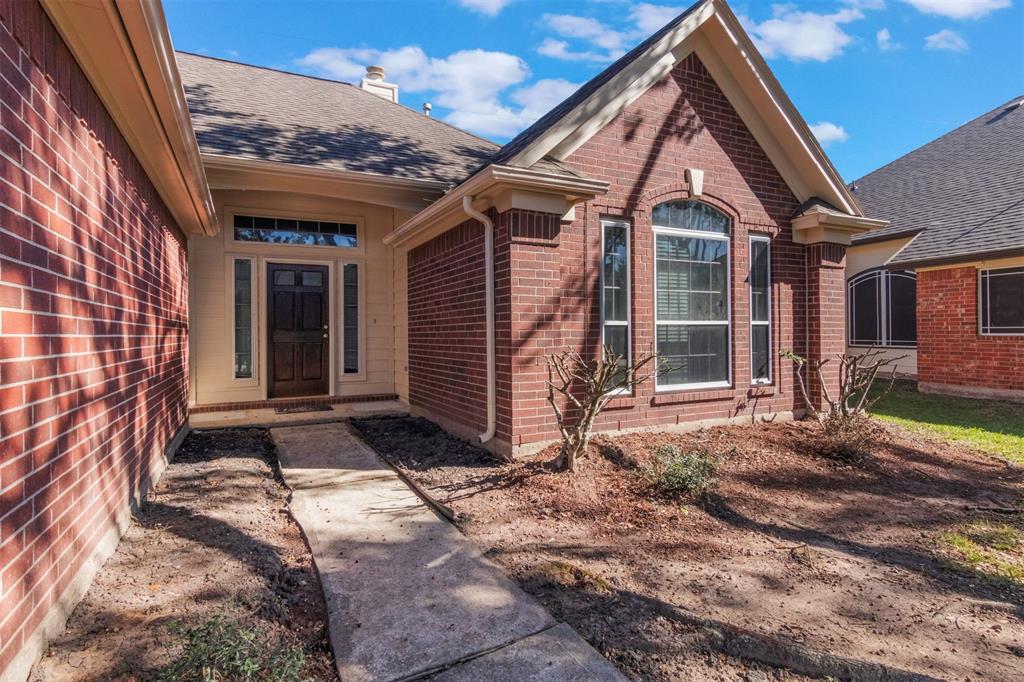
(298, 329)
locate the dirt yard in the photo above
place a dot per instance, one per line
(212, 559)
(865, 562)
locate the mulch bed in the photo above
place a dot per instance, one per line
(840, 558)
(214, 539)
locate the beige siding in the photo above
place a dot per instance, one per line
(401, 324)
(867, 257)
(211, 340)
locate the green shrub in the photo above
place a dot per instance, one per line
(220, 650)
(675, 474)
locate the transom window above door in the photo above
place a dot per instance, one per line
(267, 230)
(691, 293)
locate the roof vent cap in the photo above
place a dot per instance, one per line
(427, 106)
(374, 73)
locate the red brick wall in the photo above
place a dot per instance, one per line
(93, 323)
(949, 348)
(448, 327)
(683, 121)
(826, 313)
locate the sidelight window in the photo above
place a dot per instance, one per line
(691, 280)
(350, 318)
(242, 305)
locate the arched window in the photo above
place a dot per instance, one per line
(882, 308)
(691, 293)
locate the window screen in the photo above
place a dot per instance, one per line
(1002, 301)
(882, 309)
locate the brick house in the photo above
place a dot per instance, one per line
(182, 233)
(943, 283)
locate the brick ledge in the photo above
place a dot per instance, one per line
(291, 402)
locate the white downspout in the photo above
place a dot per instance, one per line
(467, 206)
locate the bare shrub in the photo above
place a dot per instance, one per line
(845, 426)
(580, 388)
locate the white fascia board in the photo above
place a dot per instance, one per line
(125, 51)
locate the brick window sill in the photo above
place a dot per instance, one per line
(674, 397)
(761, 391)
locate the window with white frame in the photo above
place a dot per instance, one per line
(691, 292)
(615, 293)
(1001, 301)
(243, 318)
(760, 310)
(882, 308)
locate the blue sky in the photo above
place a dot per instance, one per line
(874, 78)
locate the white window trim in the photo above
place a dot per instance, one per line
(628, 323)
(254, 299)
(982, 274)
(676, 231)
(883, 305)
(759, 323)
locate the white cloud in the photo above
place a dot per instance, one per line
(827, 133)
(801, 36)
(959, 9)
(649, 18)
(946, 39)
(559, 49)
(469, 82)
(490, 8)
(885, 42)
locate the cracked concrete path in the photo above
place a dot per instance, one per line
(407, 594)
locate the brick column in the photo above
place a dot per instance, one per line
(528, 290)
(826, 314)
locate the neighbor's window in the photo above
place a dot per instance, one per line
(615, 288)
(243, 318)
(1001, 301)
(691, 268)
(350, 315)
(303, 232)
(760, 310)
(882, 309)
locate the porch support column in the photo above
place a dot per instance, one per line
(826, 316)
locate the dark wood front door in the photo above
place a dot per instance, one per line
(298, 323)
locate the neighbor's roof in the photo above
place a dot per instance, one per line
(963, 193)
(252, 112)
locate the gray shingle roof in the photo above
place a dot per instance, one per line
(963, 193)
(252, 112)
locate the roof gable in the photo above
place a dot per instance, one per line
(711, 30)
(962, 192)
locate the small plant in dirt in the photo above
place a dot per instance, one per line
(845, 425)
(221, 649)
(580, 388)
(678, 474)
(991, 549)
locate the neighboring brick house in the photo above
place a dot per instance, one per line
(944, 282)
(676, 202)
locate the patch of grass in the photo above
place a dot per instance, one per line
(223, 650)
(993, 550)
(991, 426)
(571, 575)
(676, 474)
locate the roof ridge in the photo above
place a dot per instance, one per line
(1001, 107)
(345, 84)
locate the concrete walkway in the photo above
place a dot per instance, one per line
(407, 594)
